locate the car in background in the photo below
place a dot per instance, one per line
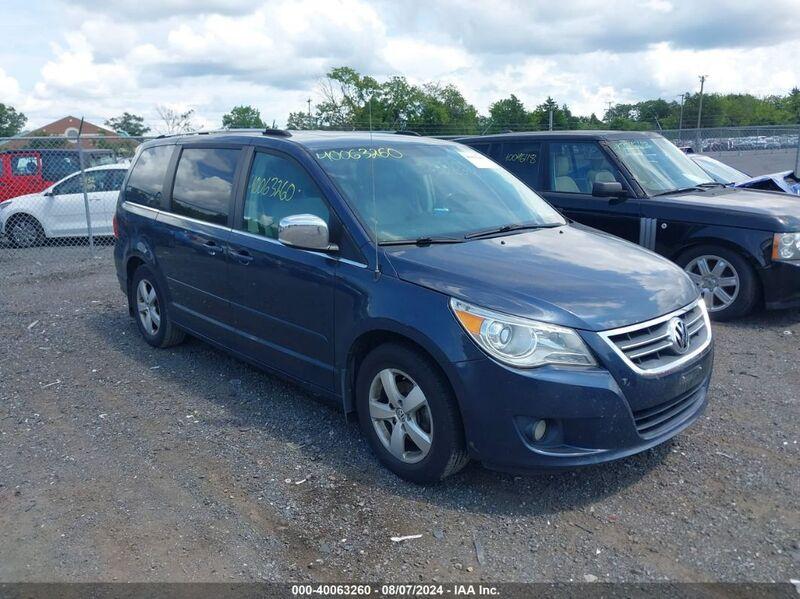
(786, 182)
(29, 170)
(417, 284)
(740, 247)
(60, 210)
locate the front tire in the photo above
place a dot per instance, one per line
(150, 310)
(726, 280)
(408, 413)
(25, 231)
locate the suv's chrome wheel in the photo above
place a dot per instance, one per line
(401, 416)
(716, 279)
(147, 307)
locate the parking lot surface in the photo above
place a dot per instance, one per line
(121, 462)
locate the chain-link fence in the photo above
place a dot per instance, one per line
(60, 192)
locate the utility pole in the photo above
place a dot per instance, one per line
(680, 122)
(309, 112)
(698, 147)
(551, 119)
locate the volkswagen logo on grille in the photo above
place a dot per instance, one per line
(679, 335)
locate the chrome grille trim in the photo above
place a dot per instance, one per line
(638, 341)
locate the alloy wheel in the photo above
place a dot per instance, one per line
(716, 279)
(24, 233)
(401, 415)
(147, 307)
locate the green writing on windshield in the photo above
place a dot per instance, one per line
(359, 153)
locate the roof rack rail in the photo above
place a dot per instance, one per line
(278, 132)
(212, 132)
(408, 132)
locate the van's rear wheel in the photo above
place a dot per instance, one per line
(726, 281)
(407, 411)
(150, 310)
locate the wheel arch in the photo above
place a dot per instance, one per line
(366, 342)
(15, 216)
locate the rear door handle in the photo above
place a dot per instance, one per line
(242, 256)
(212, 247)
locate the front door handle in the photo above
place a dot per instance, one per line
(242, 256)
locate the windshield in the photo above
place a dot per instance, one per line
(721, 173)
(424, 190)
(658, 165)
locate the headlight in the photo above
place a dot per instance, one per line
(786, 246)
(521, 342)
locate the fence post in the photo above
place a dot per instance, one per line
(797, 156)
(85, 194)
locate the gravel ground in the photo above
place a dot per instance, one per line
(125, 463)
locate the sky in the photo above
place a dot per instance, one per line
(99, 59)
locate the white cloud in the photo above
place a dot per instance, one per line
(213, 54)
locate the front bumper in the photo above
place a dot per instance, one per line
(593, 416)
(781, 283)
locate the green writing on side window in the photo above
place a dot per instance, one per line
(273, 187)
(521, 157)
(359, 153)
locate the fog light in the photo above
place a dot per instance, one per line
(538, 430)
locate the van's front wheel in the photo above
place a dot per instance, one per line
(408, 412)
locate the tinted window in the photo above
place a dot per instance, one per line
(24, 165)
(522, 159)
(203, 184)
(279, 187)
(57, 165)
(576, 167)
(147, 177)
(96, 181)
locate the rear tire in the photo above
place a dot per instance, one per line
(24, 231)
(725, 279)
(423, 443)
(150, 310)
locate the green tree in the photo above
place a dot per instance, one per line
(243, 117)
(11, 121)
(130, 124)
(509, 114)
(300, 120)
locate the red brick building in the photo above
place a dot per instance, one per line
(67, 126)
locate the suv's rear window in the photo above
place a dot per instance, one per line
(203, 183)
(145, 185)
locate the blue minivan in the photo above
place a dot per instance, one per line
(421, 286)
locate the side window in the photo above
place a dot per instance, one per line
(146, 182)
(522, 159)
(575, 167)
(204, 182)
(71, 185)
(24, 165)
(113, 179)
(279, 187)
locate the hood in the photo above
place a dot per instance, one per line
(734, 207)
(570, 275)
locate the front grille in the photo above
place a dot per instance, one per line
(651, 348)
(655, 420)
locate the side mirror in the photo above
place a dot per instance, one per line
(48, 194)
(605, 189)
(305, 231)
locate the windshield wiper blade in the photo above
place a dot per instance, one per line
(507, 229)
(422, 241)
(711, 184)
(681, 190)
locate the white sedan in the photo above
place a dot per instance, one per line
(60, 210)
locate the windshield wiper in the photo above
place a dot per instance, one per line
(422, 241)
(507, 229)
(698, 187)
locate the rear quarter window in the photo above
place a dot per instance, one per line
(146, 183)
